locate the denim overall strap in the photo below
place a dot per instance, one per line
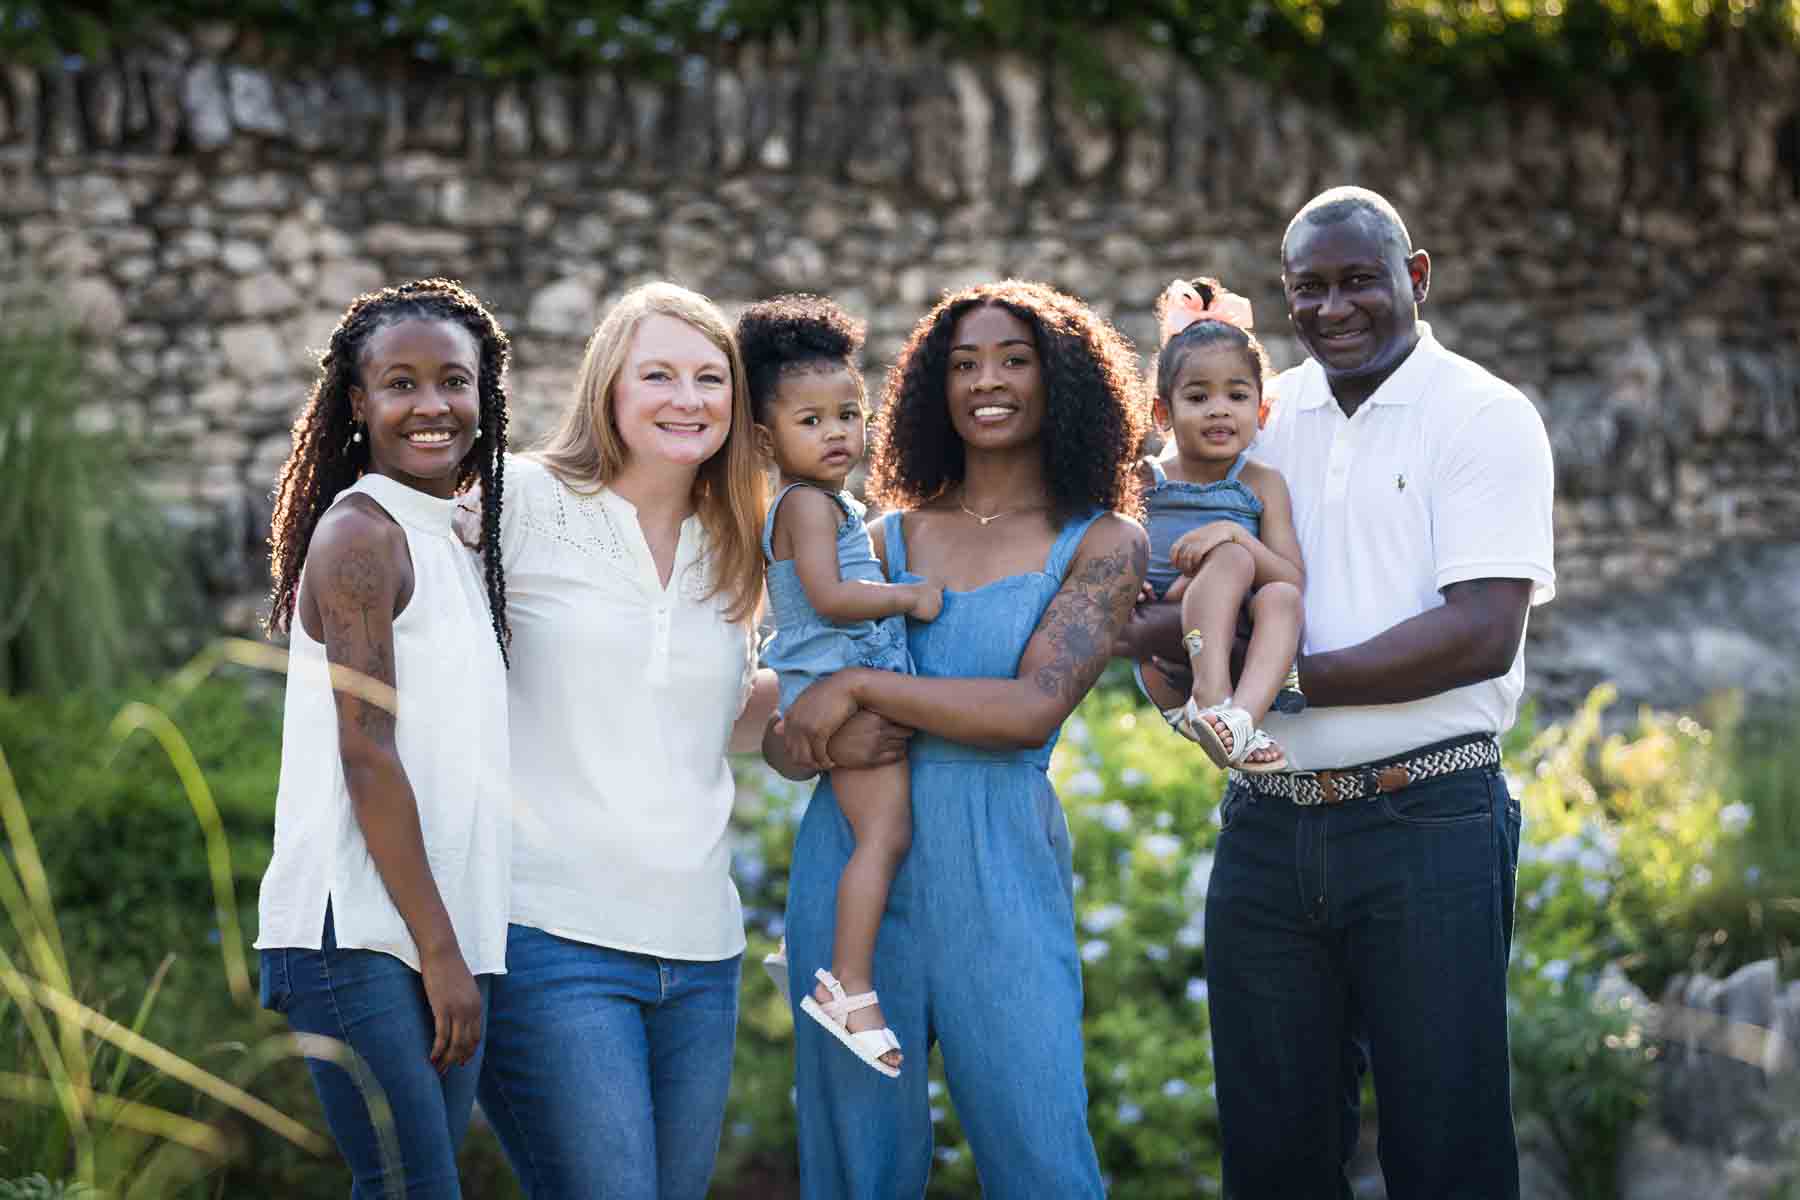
(1062, 552)
(1156, 472)
(768, 536)
(894, 538)
(1242, 458)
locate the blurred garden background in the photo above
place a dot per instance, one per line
(191, 191)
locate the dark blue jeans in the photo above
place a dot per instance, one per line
(375, 1004)
(1380, 924)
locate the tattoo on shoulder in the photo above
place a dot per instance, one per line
(1086, 616)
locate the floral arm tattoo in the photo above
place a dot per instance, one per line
(1085, 618)
(356, 609)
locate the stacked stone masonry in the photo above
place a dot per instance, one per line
(206, 214)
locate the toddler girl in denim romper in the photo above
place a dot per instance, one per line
(1209, 400)
(832, 608)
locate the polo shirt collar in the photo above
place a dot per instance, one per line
(1402, 387)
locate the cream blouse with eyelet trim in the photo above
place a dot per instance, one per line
(450, 733)
(623, 694)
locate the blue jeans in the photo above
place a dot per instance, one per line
(607, 1071)
(375, 1004)
(1382, 924)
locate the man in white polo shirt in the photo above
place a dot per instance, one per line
(1366, 897)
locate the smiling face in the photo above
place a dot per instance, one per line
(1352, 295)
(996, 385)
(671, 401)
(1212, 404)
(420, 400)
(816, 428)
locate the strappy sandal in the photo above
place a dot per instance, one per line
(870, 1044)
(1171, 715)
(1246, 739)
(776, 964)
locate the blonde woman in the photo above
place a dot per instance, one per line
(631, 542)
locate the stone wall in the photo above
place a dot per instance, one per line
(208, 212)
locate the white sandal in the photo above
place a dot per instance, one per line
(776, 964)
(1246, 739)
(870, 1044)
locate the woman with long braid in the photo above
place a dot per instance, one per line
(383, 912)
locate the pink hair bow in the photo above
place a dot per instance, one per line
(1183, 306)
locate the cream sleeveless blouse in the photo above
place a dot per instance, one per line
(451, 733)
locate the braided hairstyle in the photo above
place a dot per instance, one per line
(325, 461)
(1093, 418)
(1205, 332)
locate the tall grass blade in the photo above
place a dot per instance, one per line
(136, 716)
(128, 1114)
(138, 1022)
(169, 1063)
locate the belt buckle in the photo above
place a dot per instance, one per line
(1299, 797)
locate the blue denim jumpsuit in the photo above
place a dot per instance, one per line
(1172, 507)
(806, 646)
(977, 947)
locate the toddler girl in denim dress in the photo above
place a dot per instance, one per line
(1204, 496)
(832, 608)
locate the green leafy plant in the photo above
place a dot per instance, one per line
(1366, 58)
(89, 583)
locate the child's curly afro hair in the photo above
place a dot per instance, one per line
(795, 332)
(1093, 420)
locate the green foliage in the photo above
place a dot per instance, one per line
(36, 1187)
(1635, 857)
(88, 585)
(1369, 56)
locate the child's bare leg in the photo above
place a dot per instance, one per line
(877, 803)
(1210, 605)
(1275, 616)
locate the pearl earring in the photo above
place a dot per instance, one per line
(478, 433)
(356, 436)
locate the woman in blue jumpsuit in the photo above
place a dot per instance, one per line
(1006, 445)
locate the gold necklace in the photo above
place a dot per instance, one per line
(989, 520)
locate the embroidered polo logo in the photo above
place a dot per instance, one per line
(1399, 483)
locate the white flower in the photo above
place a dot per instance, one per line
(1597, 889)
(949, 1154)
(937, 1114)
(1094, 950)
(1593, 859)
(1156, 953)
(1734, 817)
(1130, 1114)
(1752, 875)
(934, 1089)
(1076, 730)
(1191, 936)
(1075, 881)
(1103, 918)
(1563, 849)
(1199, 879)
(1556, 970)
(1084, 783)
(1196, 991)
(1176, 1088)
(1115, 816)
(1164, 819)
(1132, 777)
(1701, 875)
(1162, 845)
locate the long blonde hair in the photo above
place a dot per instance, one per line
(730, 492)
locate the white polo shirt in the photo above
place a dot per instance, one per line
(1442, 475)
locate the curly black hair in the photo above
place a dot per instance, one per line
(1093, 420)
(791, 333)
(325, 461)
(1204, 333)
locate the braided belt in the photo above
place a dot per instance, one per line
(1307, 788)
